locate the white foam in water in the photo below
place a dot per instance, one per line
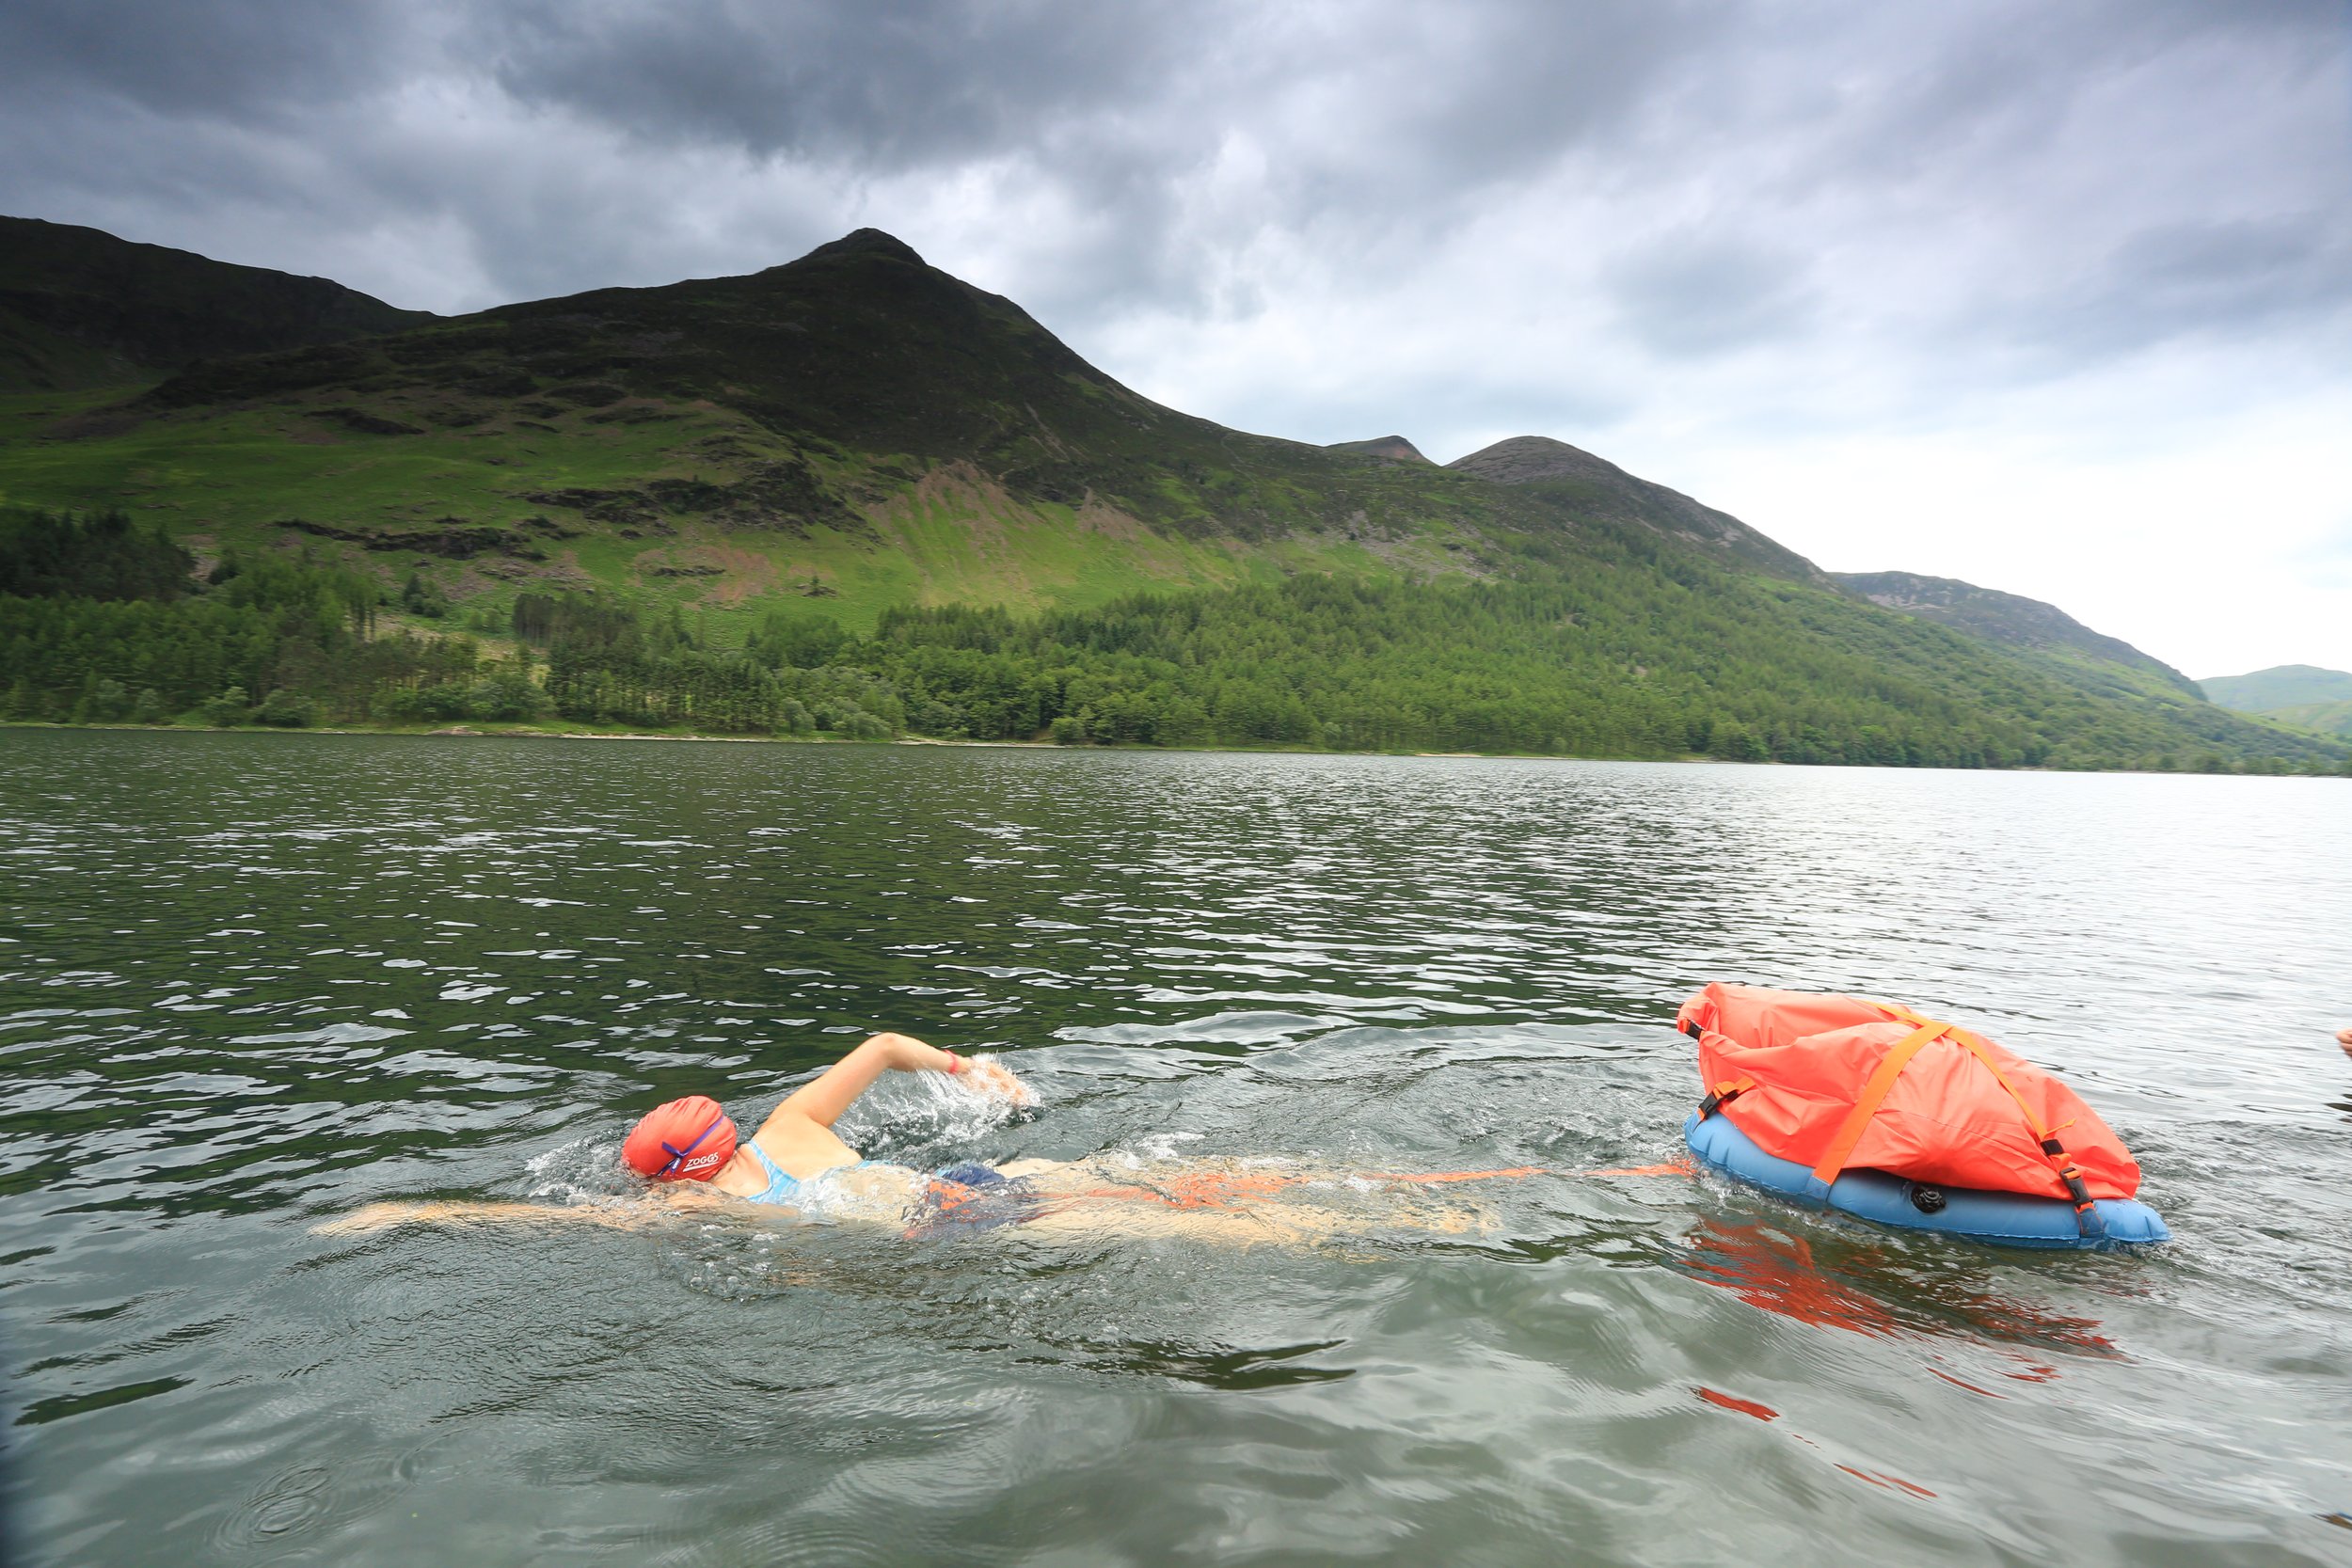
(585, 1170)
(926, 1108)
(1162, 1145)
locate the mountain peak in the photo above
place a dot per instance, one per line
(868, 241)
(1525, 459)
(1539, 459)
(1395, 449)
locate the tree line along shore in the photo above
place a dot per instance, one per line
(103, 621)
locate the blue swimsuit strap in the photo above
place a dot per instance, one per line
(780, 1185)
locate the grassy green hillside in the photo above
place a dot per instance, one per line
(855, 426)
(1623, 652)
(667, 496)
(2324, 718)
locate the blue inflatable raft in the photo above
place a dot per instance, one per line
(2009, 1219)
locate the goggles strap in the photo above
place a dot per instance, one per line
(676, 1153)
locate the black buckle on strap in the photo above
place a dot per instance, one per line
(2087, 1218)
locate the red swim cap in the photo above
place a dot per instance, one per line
(687, 1140)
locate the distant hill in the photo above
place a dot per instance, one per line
(80, 308)
(2011, 619)
(2282, 685)
(1396, 449)
(858, 460)
(1597, 485)
(2304, 696)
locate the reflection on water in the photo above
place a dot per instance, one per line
(1859, 1285)
(249, 982)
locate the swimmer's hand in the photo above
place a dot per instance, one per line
(824, 1098)
(982, 1075)
(986, 1076)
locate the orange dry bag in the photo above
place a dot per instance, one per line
(1834, 1082)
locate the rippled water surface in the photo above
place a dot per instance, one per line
(251, 982)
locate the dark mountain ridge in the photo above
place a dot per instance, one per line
(856, 348)
(860, 368)
(80, 308)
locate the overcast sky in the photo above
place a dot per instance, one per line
(2053, 296)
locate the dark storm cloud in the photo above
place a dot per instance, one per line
(1384, 119)
(1410, 98)
(882, 86)
(2113, 165)
(239, 60)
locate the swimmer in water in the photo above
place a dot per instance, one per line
(690, 1153)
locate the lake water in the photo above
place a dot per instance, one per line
(252, 981)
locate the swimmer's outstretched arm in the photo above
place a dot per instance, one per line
(611, 1216)
(823, 1098)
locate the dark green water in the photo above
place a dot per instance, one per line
(252, 981)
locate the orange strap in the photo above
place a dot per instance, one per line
(2052, 1150)
(1723, 1094)
(1873, 1095)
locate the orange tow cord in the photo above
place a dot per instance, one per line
(1211, 1190)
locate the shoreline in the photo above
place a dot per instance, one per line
(461, 732)
(467, 732)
